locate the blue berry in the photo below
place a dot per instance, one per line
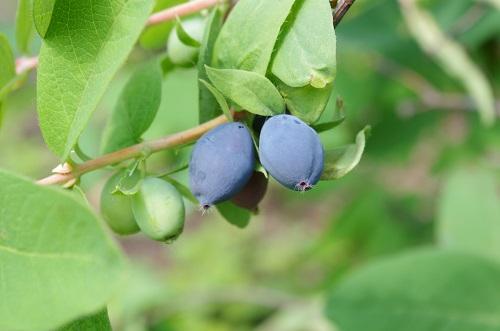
(291, 152)
(221, 164)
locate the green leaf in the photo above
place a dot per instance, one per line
(96, 322)
(469, 213)
(136, 108)
(24, 25)
(247, 38)
(326, 126)
(7, 64)
(307, 103)
(427, 290)
(208, 106)
(86, 43)
(306, 53)
(56, 260)
(184, 36)
(42, 15)
(249, 90)
(219, 98)
(234, 214)
(340, 161)
(155, 36)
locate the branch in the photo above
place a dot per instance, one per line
(342, 8)
(145, 148)
(181, 10)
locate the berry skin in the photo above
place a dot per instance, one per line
(159, 210)
(253, 192)
(291, 152)
(221, 164)
(116, 208)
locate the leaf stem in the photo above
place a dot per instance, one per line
(151, 146)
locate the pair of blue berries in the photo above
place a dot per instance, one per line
(223, 159)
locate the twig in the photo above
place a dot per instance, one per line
(341, 10)
(181, 10)
(145, 148)
(26, 63)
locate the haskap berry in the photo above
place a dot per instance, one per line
(291, 152)
(253, 192)
(221, 164)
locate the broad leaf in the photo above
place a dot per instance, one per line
(235, 215)
(86, 43)
(136, 108)
(56, 260)
(96, 322)
(24, 25)
(306, 53)
(7, 65)
(469, 213)
(208, 106)
(340, 161)
(42, 15)
(248, 36)
(307, 103)
(249, 90)
(220, 100)
(427, 290)
(155, 36)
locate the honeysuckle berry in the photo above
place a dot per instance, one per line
(291, 151)
(221, 163)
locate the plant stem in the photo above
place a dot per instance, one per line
(342, 8)
(181, 10)
(144, 148)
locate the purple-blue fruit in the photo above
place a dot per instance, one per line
(291, 152)
(221, 164)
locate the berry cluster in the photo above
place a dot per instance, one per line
(223, 161)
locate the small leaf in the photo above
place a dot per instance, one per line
(24, 25)
(340, 161)
(136, 108)
(234, 214)
(307, 103)
(7, 64)
(469, 213)
(249, 34)
(60, 252)
(306, 53)
(132, 178)
(42, 15)
(322, 127)
(249, 90)
(429, 290)
(220, 99)
(77, 63)
(96, 322)
(183, 36)
(208, 106)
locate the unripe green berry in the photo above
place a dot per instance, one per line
(116, 208)
(179, 53)
(159, 210)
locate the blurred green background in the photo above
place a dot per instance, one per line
(428, 160)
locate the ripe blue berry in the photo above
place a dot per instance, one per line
(291, 152)
(253, 192)
(221, 164)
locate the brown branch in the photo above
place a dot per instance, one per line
(341, 9)
(181, 10)
(145, 148)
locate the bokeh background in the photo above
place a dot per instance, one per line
(275, 275)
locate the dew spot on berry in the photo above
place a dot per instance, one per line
(240, 126)
(296, 121)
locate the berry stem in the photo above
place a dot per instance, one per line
(152, 146)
